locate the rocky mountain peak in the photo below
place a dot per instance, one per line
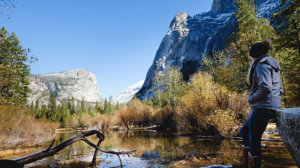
(191, 38)
(78, 83)
(223, 6)
(126, 96)
(179, 22)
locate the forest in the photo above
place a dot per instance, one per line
(214, 101)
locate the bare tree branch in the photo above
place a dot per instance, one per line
(20, 162)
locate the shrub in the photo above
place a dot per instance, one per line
(207, 105)
(136, 114)
(18, 126)
(225, 122)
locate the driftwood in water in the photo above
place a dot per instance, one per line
(20, 162)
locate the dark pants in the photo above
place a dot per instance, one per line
(253, 129)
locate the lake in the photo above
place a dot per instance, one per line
(159, 150)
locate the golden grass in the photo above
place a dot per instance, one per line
(19, 128)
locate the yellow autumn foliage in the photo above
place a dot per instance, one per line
(209, 105)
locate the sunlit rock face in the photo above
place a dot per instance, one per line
(288, 124)
(126, 96)
(190, 38)
(78, 83)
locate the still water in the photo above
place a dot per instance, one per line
(161, 150)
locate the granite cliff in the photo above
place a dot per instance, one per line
(126, 96)
(189, 38)
(78, 83)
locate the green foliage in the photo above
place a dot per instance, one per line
(52, 109)
(37, 109)
(66, 116)
(148, 101)
(13, 70)
(83, 109)
(44, 112)
(97, 107)
(71, 105)
(288, 25)
(169, 87)
(230, 67)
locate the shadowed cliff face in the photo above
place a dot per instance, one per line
(189, 38)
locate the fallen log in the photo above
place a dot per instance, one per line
(20, 162)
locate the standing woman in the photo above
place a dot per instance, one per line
(265, 84)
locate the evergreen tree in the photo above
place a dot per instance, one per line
(71, 105)
(83, 106)
(52, 109)
(107, 107)
(37, 109)
(59, 113)
(44, 112)
(13, 70)
(249, 30)
(97, 107)
(31, 107)
(66, 116)
(287, 23)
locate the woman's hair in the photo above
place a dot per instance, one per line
(260, 48)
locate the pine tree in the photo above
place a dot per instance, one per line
(83, 106)
(13, 70)
(97, 107)
(44, 112)
(249, 30)
(31, 107)
(71, 105)
(52, 108)
(59, 113)
(66, 116)
(37, 109)
(287, 25)
(107, 107)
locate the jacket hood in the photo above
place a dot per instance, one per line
(272, 62)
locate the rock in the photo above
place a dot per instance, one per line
(126, 96)
(78, 83)
(189, 38)
(288, 124)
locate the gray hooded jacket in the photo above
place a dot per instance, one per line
(266, 86)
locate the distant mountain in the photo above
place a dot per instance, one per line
(77, 83)
(125, 96)
(191, 37)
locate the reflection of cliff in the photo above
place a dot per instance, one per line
(167, 149)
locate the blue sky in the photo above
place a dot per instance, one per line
(115, 39)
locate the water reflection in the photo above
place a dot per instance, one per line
(164, 150)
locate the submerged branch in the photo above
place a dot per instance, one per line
(20, 162)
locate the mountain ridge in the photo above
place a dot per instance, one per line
(189, 38)
(78, 83)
